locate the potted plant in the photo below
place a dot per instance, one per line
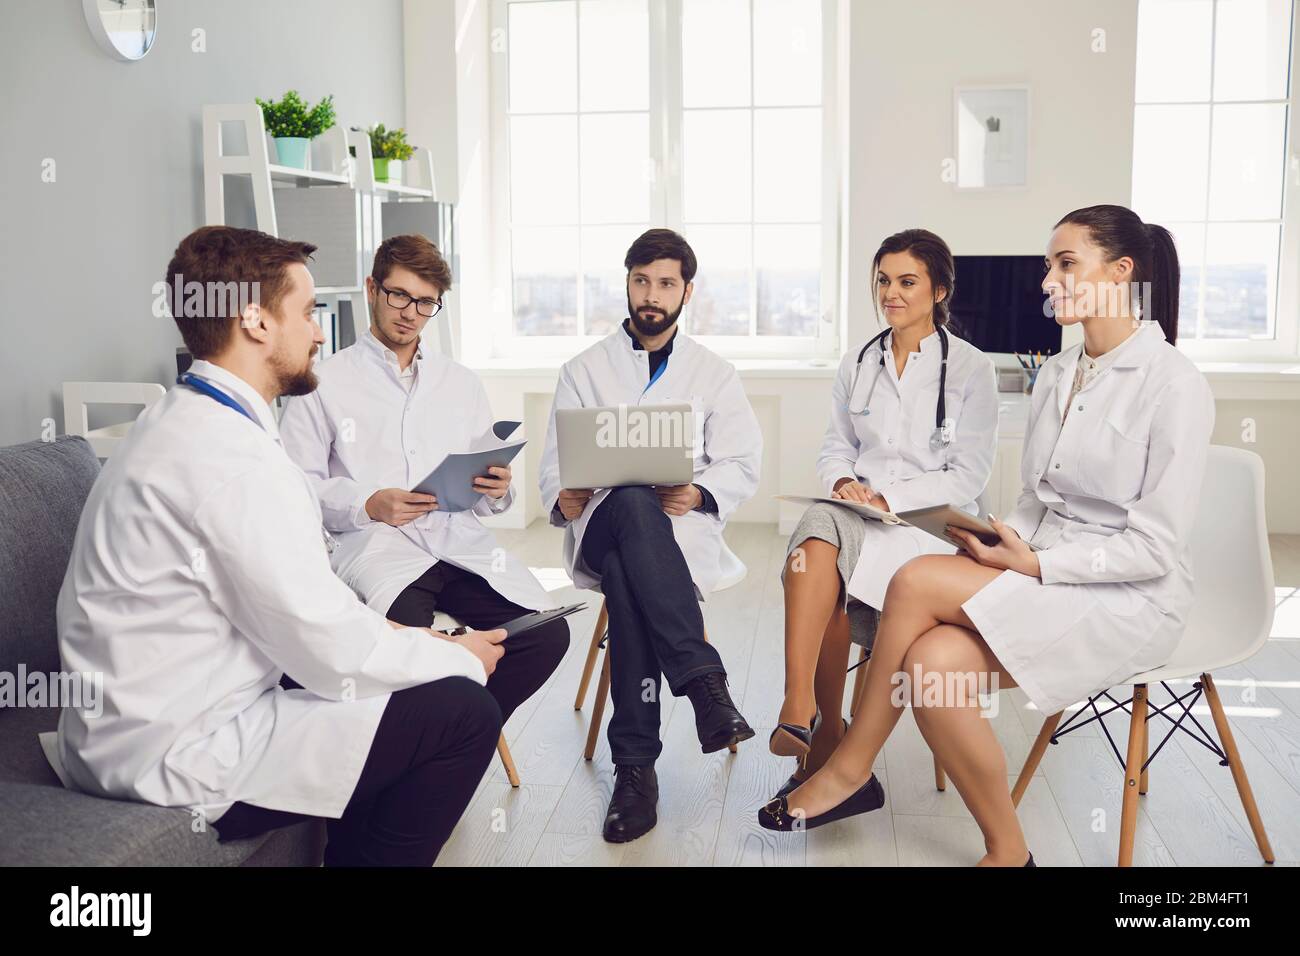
(388, 147)
(293, 126)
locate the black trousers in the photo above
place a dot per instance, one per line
(430, 750)
(361, 837)
(531, 656)
(655, 623)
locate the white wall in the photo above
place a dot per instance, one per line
(79, 256)
(905, 60)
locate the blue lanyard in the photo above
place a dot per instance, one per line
(655, 377)
(210, 390)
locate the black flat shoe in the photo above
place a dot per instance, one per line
(718, 723)
(791, 740)
(631, 811)
(776, 815)
(790, 785)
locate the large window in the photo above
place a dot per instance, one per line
(712, 117)
(1210, 161)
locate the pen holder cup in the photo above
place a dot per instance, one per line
(1030, 375)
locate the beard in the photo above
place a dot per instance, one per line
(293, 381)
(647, 324)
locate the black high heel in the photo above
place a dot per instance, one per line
(796, 780)
(776, 815)
(791, 740)
(1031, 862)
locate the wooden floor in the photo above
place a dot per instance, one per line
(1191, 815)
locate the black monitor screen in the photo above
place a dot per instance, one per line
(998, 305)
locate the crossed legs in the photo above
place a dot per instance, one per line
(924, 631)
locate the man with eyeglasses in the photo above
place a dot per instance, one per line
(387, 411)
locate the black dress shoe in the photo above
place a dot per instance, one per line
(632, 807)
(776, 815)
(717, 721)
(792, 740)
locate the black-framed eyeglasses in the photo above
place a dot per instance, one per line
(400, 300)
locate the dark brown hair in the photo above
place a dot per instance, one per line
(232, 268)
(414, 252)
(655, 244)
(1119, 231)
(934, 254)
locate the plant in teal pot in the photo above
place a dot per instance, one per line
(293, 126)
(388, 148)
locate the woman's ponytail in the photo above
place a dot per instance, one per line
(1164, 282)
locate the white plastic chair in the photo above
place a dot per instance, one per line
(1229, 622)
(445, 622)
(732, 570)
(78, 396)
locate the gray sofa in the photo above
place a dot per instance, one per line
(43, 486)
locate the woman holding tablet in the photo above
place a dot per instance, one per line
(1115, 450)
(913, 423)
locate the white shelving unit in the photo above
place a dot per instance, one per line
(342, 210)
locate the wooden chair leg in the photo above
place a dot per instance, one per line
(859, 682)
(602, 619)
(1235, 765)
(598, 711)
(1146, 755)
(507, 761)
(1035, 755)
(1133, 774)
(940, 778)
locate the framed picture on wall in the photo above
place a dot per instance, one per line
(991, 129)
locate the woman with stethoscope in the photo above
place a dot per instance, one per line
(1091, 581)
(913, 423)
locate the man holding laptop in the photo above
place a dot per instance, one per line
(653, 543)
(387, 412)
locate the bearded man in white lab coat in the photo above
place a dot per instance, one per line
(387, 411)
(199, 576)
(655, 552)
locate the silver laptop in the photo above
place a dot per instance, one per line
(607, 447)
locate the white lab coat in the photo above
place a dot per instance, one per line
(1111, 496)
(889, 449)
(198, 576)
(361, 431)
(612, 372)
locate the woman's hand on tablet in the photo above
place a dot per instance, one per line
(1009, 554)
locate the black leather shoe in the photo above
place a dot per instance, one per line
(1031, 862)
(717, 721)
(631, 811)
(795, 779)
(790, 785)
(776, 815)
(792, 740)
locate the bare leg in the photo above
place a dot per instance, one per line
(832, 665)
(832, 668)
(962, 738)
(812, 590)
(925, 592)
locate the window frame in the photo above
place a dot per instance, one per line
(666, 116)
(1285, 343)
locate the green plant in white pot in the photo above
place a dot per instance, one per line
(388, 148)
(293, 126)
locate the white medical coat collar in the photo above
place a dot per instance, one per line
(241, 391)
(382, 352)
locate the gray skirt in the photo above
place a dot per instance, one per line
(846, 531)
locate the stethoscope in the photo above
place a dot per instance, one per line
(940, 437)
(204, 387)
